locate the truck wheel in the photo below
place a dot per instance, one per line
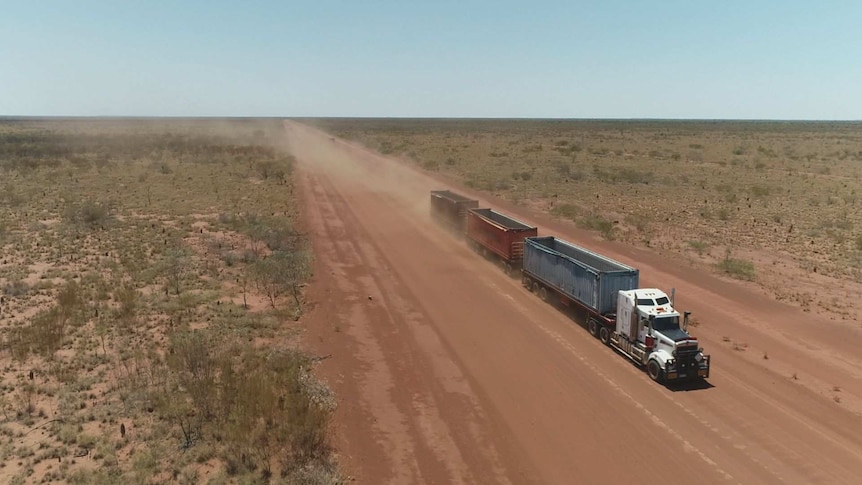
(535, 287)
(593, 326)
(605, 335)
(543, 293)
(654, 370)
(507, 267)
(525, 280)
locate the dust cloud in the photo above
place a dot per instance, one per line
(319, 151)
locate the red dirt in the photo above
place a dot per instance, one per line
(447, 371)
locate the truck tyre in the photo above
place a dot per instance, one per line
(593, 327)
(605, 335)
(507, 267)
(654, 370)
(536, 287)
(543, 293)
(525, 280)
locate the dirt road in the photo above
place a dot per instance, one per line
(447, 371)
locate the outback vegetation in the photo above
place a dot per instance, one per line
(767, 202)
(151, 278)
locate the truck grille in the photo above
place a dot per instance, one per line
(685, 357)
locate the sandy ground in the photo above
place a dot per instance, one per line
(447, 371)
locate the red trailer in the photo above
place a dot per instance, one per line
(491, 232)
(451, 209)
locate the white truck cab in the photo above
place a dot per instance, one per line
(648, 332)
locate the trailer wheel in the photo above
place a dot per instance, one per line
(507, 267)
(654, 370)
(593, 326)
(525, 280)
(535, 287)
(543, 293)
(605, 335)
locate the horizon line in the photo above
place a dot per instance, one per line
(429, 118)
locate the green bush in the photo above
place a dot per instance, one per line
(598, 223)
(737, 268)
(569, 211)
(699, 246)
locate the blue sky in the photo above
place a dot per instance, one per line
(570, 59)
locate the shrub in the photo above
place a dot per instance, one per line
(759, 190)
(277, 234)
(737, 268)
(14, 289)
(89, 214)
(569, 211)
(598, 223)
(281, 273)
(699, 246)
(259, 405)
(501, 185)
(275, 169)
(633, 176)
(127, 298)
(174, 267)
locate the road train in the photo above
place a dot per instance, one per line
(640, 323)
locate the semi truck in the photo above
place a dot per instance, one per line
(499, 236)
(451, 209)
(639, 323)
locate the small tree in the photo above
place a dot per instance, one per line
(175, 264)
(282, 273)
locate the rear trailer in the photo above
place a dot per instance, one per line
(451, 209)
(491, 232)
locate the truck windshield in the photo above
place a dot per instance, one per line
(666, 323)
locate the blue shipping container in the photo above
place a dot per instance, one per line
(587, 277)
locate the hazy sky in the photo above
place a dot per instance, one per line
(782, 59)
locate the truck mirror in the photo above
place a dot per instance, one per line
(685, 317)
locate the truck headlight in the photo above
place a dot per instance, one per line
(698, 357)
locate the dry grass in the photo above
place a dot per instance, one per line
(135, 347)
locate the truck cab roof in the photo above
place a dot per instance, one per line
(651, 301)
